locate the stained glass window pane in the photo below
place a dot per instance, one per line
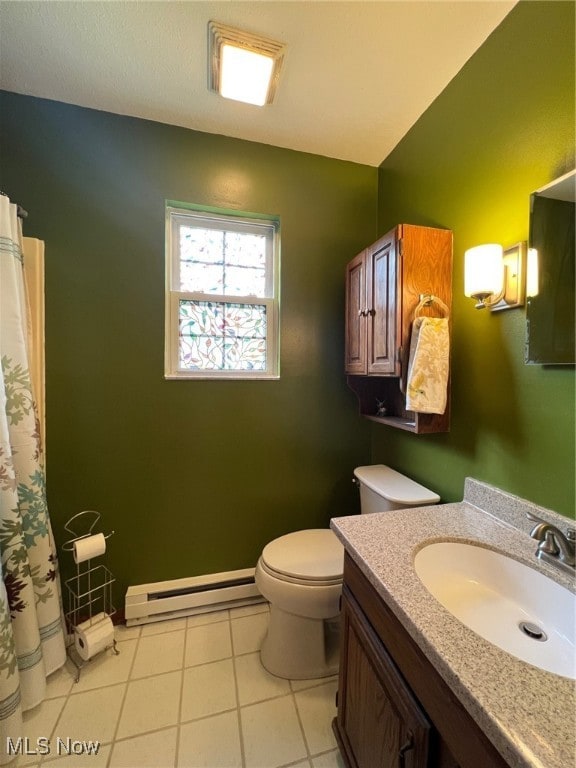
(196, 277)
(225, 263)
(245, 250)
(243, 281)
(198, 244)
(221, 336)
(245, 355)
(204, 353)
(245, 320)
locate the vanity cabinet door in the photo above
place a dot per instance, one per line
(379, 723)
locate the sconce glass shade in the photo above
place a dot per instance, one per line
(532, 273)
(483, 271)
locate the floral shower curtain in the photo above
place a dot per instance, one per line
(32, 641)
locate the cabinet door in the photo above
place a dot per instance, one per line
(356, 315)
(382, 295)
(379, 723)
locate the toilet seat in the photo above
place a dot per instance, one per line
(295, 580)
(312, 557)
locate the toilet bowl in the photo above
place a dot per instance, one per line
(300, 574)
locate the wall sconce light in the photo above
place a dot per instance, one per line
(243, 66)
(532, 280)
(496, 278)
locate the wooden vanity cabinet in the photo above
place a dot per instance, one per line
(394, 709)
(382, 723)
(383, 287)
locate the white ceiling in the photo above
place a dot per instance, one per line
(356, 77)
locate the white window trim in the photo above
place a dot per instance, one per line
(217, 220)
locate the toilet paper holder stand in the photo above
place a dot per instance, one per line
(89, 592)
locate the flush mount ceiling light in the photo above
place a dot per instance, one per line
(243, 66)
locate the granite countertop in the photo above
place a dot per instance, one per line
(527, 713)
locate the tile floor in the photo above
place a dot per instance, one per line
(186, 693)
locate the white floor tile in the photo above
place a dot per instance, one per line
(72, 760)
(255, 683)
(147, 692)
(107, 668)
(211, 743)
(91, 716)
(208, 643)
(160, 627)
(151, 703)
(17, 763)
(301, 685)
(317, 708)
(208, 689)
(122, 632)
(249, 632)
(272, 735)
(158, 654)
(154, 750)
(37, 723)
(60, 683)
(329, 760)
(249, 610)
(210, 617)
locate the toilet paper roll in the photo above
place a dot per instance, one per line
(90, 622)
(91, 640)
(89, 547)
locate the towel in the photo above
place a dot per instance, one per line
(428, 365)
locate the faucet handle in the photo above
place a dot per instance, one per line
(549, 544)
(571, 534)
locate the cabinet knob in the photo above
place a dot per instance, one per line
(371, 312)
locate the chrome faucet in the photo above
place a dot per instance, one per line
(554, 547)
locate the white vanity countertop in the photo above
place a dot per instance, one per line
(527, 713)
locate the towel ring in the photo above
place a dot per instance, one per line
(426, 299)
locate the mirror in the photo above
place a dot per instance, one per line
(550, 281)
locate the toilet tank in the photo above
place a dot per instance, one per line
(383, 489)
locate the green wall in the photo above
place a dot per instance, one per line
(502, 128)
(195, 477)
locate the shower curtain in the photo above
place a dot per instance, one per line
(32, 643)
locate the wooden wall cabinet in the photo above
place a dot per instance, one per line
(384, 284)
(394, 709)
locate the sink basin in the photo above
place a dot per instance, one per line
(513, 606)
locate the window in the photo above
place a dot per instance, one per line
(221, 296)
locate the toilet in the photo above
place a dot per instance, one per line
(300, 574)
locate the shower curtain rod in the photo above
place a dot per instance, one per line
(22, 214)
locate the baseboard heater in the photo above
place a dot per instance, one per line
(164, 600)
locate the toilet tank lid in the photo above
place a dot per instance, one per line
(394, 486)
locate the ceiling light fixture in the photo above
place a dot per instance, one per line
(243, 66)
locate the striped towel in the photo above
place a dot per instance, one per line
(428, 365)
